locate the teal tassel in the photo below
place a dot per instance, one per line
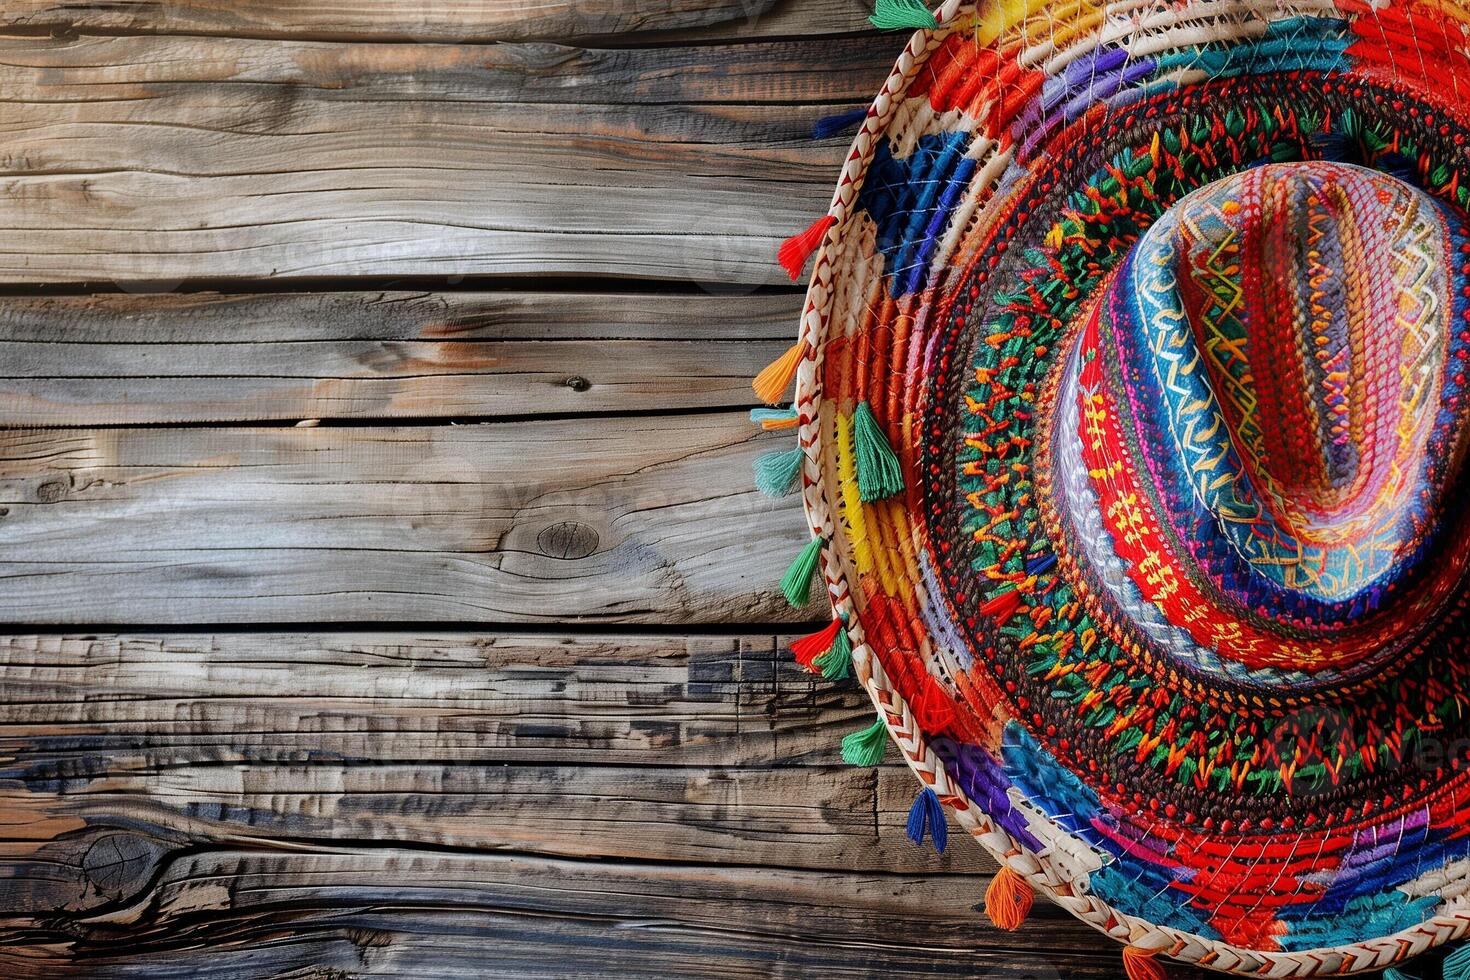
(759, 416)
(866, 748)
(836, 663)
(797, 582)
(1457, 964)
(878, 472)
(897, 15)
(1393, 974)
(776, 474)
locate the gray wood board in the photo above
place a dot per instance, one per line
(142, 359)
(153, 159)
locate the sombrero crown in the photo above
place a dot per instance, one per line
(1130, 400)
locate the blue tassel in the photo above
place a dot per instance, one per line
(927, 813)
(1338, 147)
(1037, 564)
(776, 473)
(840, 123)
(1400, 166)
(1457, 964)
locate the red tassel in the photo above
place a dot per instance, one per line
(809, 648)
(1091, 356)
(798, 248)
(933, 709)
(1002, 607)
(1008, 900)
(1140, 964)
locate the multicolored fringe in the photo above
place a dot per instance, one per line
(878, 472)
(828, 652)
(796, 584)
(798, 248)
(1182, 627)
(777, 474)
(1142, 964)
(1008, 900)
(867, 747)
(898, 15)
(927, 816)
(771, 419)
(773, 381)
(829, 126)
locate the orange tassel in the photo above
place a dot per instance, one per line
(1140, 964)
(1008, 900)
(809, 648)
(798, 248)
(772, 425)
(772, 382)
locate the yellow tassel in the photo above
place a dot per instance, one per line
(1140, 964)
(772, 383)
(1008, 900)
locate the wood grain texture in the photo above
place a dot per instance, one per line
(446, 20)
(372, 803)
(718, 749)
(645, 519)
(364, 796)
(348, 913)
(128, 359)
(157, 159)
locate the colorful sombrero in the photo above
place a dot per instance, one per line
(1130, 397)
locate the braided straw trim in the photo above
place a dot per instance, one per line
(1057, 871)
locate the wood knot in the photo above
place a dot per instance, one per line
(119, 865)
(578, 383)
(51, 491)
(567, 540)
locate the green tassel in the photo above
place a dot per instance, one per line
(866, 748)
(797, 582)
(776, 473)
(897, 15)
(836, 663)
(878, 472)
(1457, 964)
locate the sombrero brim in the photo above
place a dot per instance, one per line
(937, 181)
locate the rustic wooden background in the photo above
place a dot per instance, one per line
(387, 593)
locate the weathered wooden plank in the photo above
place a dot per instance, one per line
(155, 159)
(398, 913)
(802, 817)
(643, 748)
(443, 20)
(130, 359)
(646, 519)
(85, 705)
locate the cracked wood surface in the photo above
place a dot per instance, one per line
(158, 158)
(247, 804)
(376, 609)
(127, 359)
(633, 519)
(585, 21)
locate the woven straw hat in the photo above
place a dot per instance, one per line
(1129, 397)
